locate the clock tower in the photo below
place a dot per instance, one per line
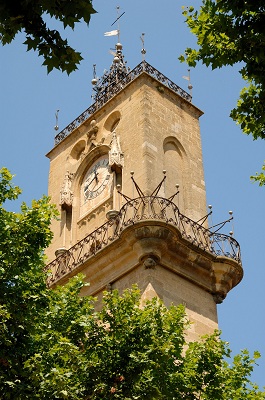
(127, 177)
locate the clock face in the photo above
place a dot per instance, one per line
(97, 179)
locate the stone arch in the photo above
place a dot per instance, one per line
(77, 151)
(112, 121)
(171, 142)
(175, 165)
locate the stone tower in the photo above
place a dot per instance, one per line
(127, 176)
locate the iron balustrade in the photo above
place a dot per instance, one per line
(115, 87)
(147, 208)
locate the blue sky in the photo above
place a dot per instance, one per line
(29, 99)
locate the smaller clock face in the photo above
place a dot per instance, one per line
(97, 179)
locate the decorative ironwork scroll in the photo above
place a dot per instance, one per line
(147, 208)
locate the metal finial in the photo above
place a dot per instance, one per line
(164, 171)
(190, 87)
(56, 121)
(143, 51)
(132, 173)
(210, 214)
(231, 219)
(94, 80)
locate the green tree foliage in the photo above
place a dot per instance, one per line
(23, 293)
(229, 33)
(55, 344)
(30, 16)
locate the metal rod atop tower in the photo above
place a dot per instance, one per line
(118, 21)
(188, 79)
(56, 120)
(143, 51)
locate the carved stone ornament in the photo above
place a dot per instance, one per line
(116, 157)
(149, 263)
(219, 297)
(66, 200)
(92, 134)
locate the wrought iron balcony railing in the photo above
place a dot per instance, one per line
(148, 208)
(114, 88)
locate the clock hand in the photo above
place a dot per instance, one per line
(96, 176)
(89, 183)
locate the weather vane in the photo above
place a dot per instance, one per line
(118, 16)
(116, 31)
(118, 69)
